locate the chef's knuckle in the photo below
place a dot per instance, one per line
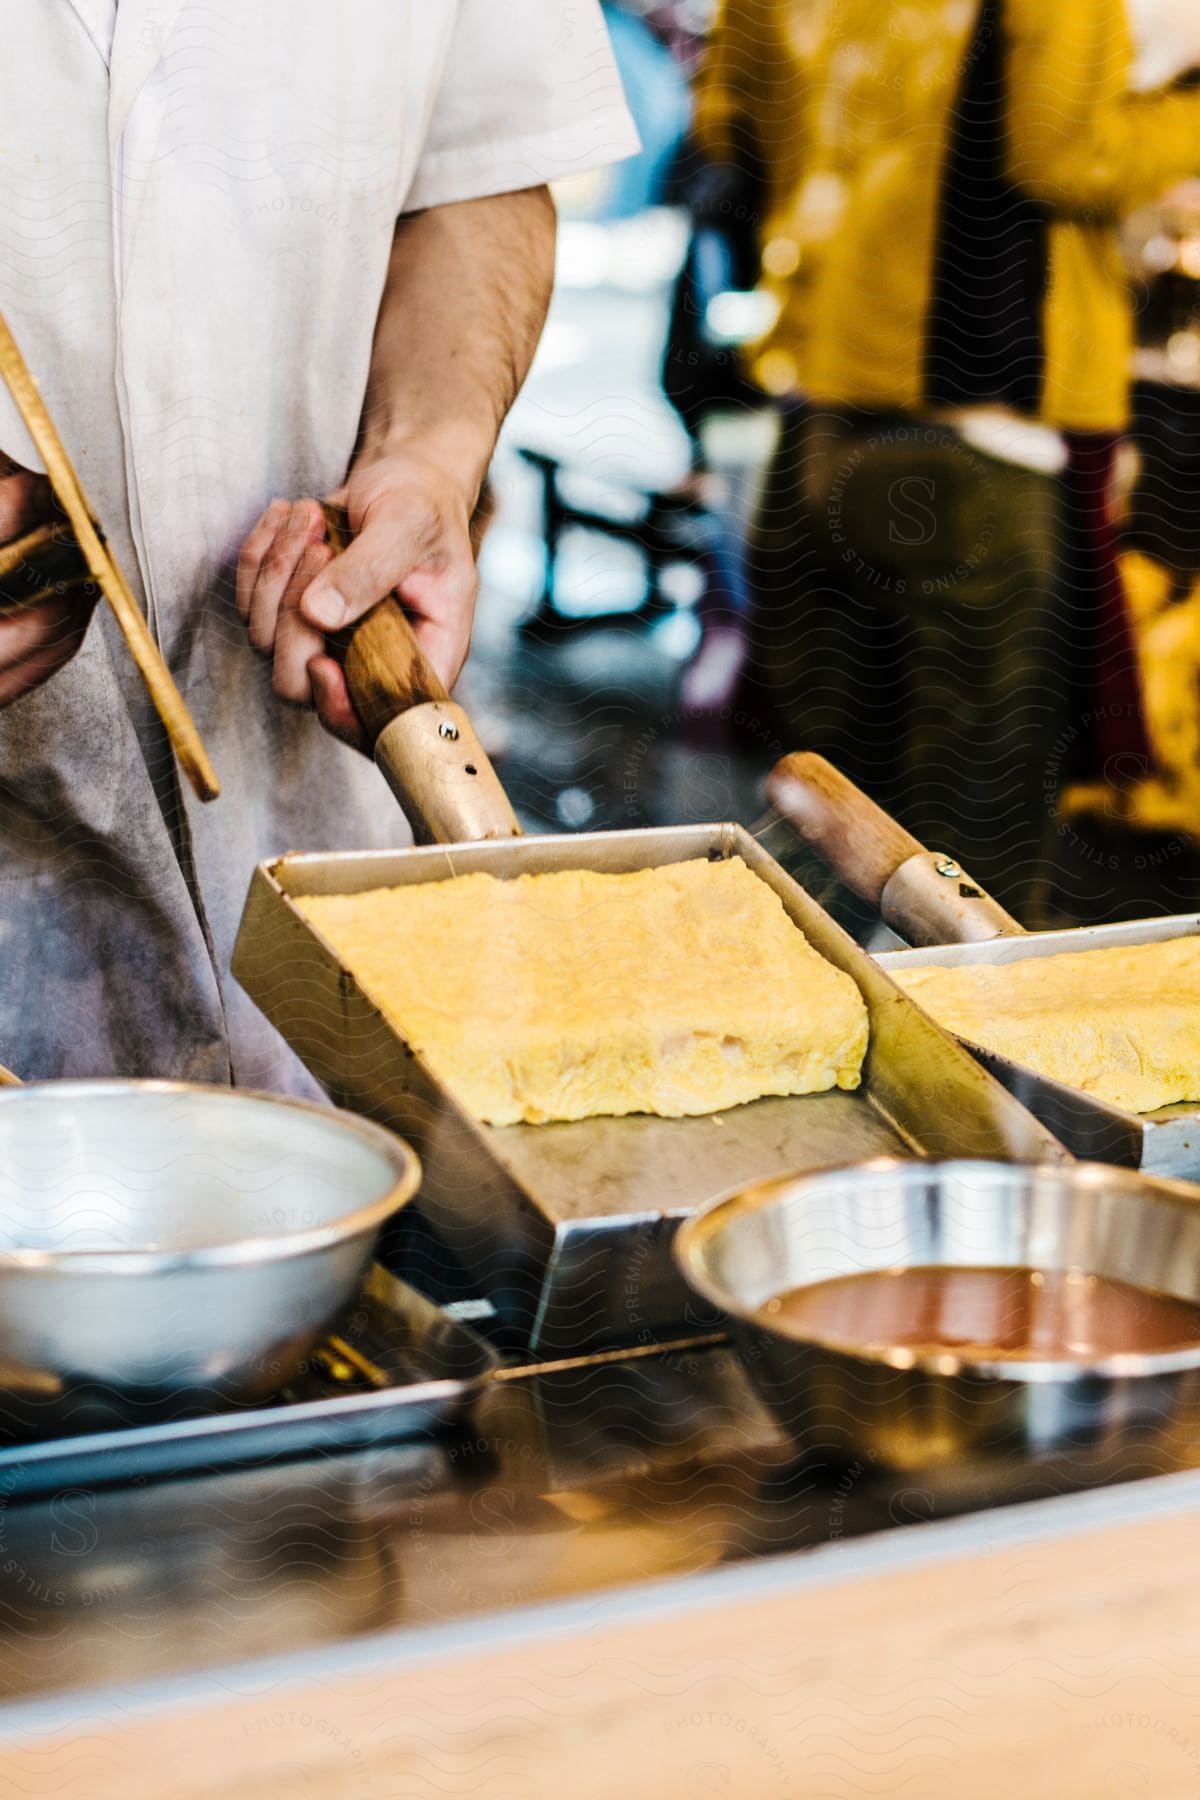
(283, 683)
(280, 560)
(315, 558)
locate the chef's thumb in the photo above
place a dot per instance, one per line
(365, 573)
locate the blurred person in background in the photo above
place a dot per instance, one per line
(736, 171)
(937, 603)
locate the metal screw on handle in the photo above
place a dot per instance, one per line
(918, 904)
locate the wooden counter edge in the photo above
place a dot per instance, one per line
(1044, 1650)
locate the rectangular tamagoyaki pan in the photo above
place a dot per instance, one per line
(933, 903)
(566, 1227)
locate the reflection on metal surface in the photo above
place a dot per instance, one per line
(118, 1585)
(564, 1481)
(397, 1368)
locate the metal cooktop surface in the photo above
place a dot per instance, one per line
(559, 1482)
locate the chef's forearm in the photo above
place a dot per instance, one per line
(466, 297)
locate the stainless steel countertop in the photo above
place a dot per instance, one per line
(566, 1485)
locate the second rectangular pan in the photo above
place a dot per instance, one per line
(935, 905)
(566, 1227)
(1166, 1142)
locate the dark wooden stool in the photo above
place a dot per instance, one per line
(664, 533)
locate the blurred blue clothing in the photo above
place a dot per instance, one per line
(659, 98)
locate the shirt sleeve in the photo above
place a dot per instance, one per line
(529, 93)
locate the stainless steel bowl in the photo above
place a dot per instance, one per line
(166, 1246)
(907, 1413)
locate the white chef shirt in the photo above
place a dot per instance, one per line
(197, 202)
(99, 19)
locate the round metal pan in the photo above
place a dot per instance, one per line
(905, 1412)
(169, 1247)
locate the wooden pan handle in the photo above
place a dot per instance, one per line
(387, 671)
(925, 896)
(425, 745)
(861, 843)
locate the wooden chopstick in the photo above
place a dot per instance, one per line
(24, 549)
(168, 701)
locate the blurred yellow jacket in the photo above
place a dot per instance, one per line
(857, 105)
(1167, 635)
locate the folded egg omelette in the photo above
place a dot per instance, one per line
(1122, 1022)
(675, 990)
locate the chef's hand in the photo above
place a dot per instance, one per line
(36, 642)
(412, 519)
